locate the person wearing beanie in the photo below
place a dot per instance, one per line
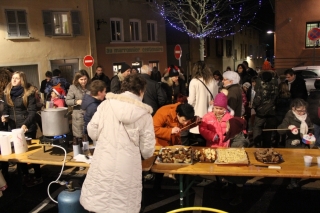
(214, 124)
(231, 81)
(173, 85)
(116, 80)
(55, 97)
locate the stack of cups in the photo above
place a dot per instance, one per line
(76, 147)
(5, 145)
(19, 141)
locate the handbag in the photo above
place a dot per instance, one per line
(206, 88)
(210, 107)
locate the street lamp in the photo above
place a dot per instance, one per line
(270, 31)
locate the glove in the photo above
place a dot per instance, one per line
(293, 129)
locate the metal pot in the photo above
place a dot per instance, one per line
(55, 121)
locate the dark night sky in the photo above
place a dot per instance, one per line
(263, 22)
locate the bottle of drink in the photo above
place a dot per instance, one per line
(85, 144)
(76, 146)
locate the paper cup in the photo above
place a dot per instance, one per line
(318, 161)
(307, 160)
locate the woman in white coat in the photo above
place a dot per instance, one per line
(123, 129)
(202, 90)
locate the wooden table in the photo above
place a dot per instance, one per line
(292, 167)
(35, 147)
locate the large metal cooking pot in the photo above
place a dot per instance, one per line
(55, 121)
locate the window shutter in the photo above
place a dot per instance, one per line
(47, 23)
(22, 22)
(11, 23)
(75, 18)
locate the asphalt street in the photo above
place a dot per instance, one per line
(261, 195)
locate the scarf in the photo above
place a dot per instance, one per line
(303, 125)
(16, 92)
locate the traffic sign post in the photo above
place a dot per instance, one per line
(88, 61)
(178, 53)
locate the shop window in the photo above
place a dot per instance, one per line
(17, 26)
(310, 43)
(116, 25)
(152, 30)
(57, 23)
(135, 26)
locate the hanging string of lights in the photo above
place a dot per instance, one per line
(208, 18)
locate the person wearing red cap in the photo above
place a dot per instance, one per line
(55, 97)
(214, 124)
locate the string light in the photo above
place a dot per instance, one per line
(214, 18)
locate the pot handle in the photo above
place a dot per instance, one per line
(70, 110)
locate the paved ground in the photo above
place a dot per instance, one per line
(261, 195)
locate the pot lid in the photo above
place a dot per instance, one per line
(55, 109)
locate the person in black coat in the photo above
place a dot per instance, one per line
(101, 76)
(155, 74)
(117, 79)
(313, 110)
(174, 85)
(154, 95)
(297, 85)
(44, 84)
(91, 102)
(20, 105)
(244, 75)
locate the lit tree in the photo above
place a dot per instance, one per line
(207, 18)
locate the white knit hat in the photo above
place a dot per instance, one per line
(233, 76)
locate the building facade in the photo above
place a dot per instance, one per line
(37, 36)
(221, 53)
(292, 24)
(129, 31)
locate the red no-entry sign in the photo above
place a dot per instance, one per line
(88, 61)
(177, 51)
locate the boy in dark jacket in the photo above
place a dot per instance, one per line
(91, 102)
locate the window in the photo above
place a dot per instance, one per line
(152, 30)
(116, 29)
(17, 23)
(61, 23)
(135, 29)
(309, 43)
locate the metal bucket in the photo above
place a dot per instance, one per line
(55, 121)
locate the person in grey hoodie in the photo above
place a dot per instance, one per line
(91, 102)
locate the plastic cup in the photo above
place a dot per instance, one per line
(318, 161)
(307, 160)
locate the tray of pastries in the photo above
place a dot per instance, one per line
(204, 155)
(175, 156)
(268, 155)
(232, 156)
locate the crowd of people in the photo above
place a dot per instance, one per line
(142, 110)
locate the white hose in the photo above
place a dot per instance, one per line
(57, 180)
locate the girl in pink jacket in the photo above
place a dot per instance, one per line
(55, 98)
(214, 124)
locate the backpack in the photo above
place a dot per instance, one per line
(266, 92)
